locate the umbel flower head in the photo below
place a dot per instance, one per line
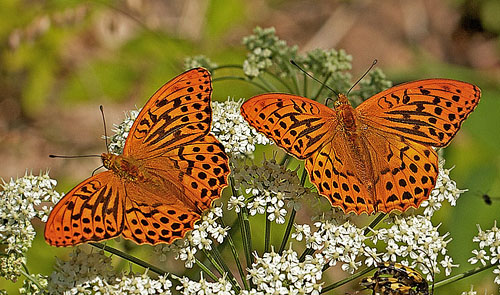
(237, 136)
(20, 200)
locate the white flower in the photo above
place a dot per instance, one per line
(235, 134)
(20, 200)
(480, 256)
(268, 187)
(286, 274)
(201, 237)
(117, 140)
(445, 189)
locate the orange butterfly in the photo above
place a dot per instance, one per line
(170, 171)
(376, 157)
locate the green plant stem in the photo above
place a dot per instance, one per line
(270, 87)
(206, 270)
(267, 239)
(129, 258)
(315, 97)
(464, 275)
(288, 230)
(347, 280)
(244, 227)
(218, 257)
(229, 239)
(227, 67)
(304, 87)
(279, 79)
(31, 278)
(374, 223)
(241, 79)
(291, 220)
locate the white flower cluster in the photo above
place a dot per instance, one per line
(189, 287)
(488, 240)
(93, 274)
(268, 187)
(200, 238)
(238, 138)
(199, 61)
(336, 242)
(445, 189)
(19, 202)
(417, 241)
(265, 48)
(286, 274)
(117, 140)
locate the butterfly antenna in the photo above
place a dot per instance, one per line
(310, 76)
(73, 157)
(95, 170)
(104, 123)
(366, 73)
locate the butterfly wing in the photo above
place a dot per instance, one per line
(178, 113)
(405, 171)
(299, 125)
(92, 211)
(427, 111)
(185, 166)
(335, 173)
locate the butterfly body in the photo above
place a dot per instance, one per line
(170, 171)
(126, 168)
(377, 156)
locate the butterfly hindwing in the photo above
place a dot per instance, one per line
(155, 217)
(427, 111)
(299, 125)
(92, 211)
(405, 172)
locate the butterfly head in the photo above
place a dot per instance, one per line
(341, 100)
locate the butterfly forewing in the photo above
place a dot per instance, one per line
(92, 211)
(177, 113)
(426, 111)
(299, 125)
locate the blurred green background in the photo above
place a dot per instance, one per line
(60, 60)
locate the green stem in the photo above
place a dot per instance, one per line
(227, 67)
(347, 280)
(288, 230)
(304, 87)
(278, 78)
(212, 260)
(315, 97)
(291, 220)
(229, 239)
(286, 157)
(267, 239)
(206, 270)
(244, 227)
(31, 278)
(217, 259)
(463, 275)
(128, 257)
(241, 79)
(374, 223)
(270, 87)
